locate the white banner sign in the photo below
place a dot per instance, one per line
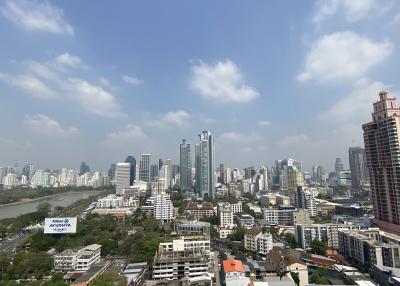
(60, 225)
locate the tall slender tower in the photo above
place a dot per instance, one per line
(185, 163)
(358, 166)
(205, 180)
(381, 138)
(144, 167)
(131, 160)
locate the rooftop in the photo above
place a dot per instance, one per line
(233, 266)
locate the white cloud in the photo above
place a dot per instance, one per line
(294, 139)
(343, 56)
(130, 135)
(67, 59)
(239, 138)
(222, 82)
(36, 15)
(357, 106)
(94, 98)
(354, 10)
(132, 80)
(264, 123)
(44, 125)
(178, 118)
(104, 82)
(29, 84)
(40, 69)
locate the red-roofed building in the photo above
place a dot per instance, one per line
(233, 266)
(234, 273)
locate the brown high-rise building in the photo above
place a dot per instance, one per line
(381, 138)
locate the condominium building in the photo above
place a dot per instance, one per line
(276, 216)
(163, 208)
(256, 241)
(245, 220)
(327, 233)
(381, 140)
(185, 167)
(200, 211)
(305, 198)
(225, 214)
(122, 177)
(204, 163)
(370, 247)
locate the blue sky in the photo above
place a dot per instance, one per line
(270, 79)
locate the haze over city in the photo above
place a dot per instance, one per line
(97, 82)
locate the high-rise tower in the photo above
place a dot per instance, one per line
(144, 167)
(381, 138)
(358, 167)
(131, 160)
(185, 160)
(205, 181)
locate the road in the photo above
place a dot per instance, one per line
(8, 247)
(216, 269)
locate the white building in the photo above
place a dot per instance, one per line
(327, 233)
(112, 201)
(237, 208)
(264, 243)
(163, 208)
(122, 177)
(79, 260)
(10, 181)
(278, 216)
(158, 186)
(188, 243)
(40, 179)
(88, 256)
(225, 214)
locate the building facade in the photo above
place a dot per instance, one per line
(381, 140)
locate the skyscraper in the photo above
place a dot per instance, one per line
(131, 160)
(27, 171)
(358, 167)
(160, 163)
(154, 171)
(205, 165)
(111, 171)
(84, 168)
(185, 162)
(168, 162)
(122, 177)
(222, 173)
(339, 165)
(381, 139)
(144, 167)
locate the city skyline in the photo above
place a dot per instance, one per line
(84, 91)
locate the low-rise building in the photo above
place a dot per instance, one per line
(245, 220)
(135, 273)
(88, 256)
(79, 260)
(225, 214)
(188, 243)
(256, 241)
(176, 264)
(370, 247)
(200, 211)
(234, 273)
(192, 227)
(327, 233)
(250, 239)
